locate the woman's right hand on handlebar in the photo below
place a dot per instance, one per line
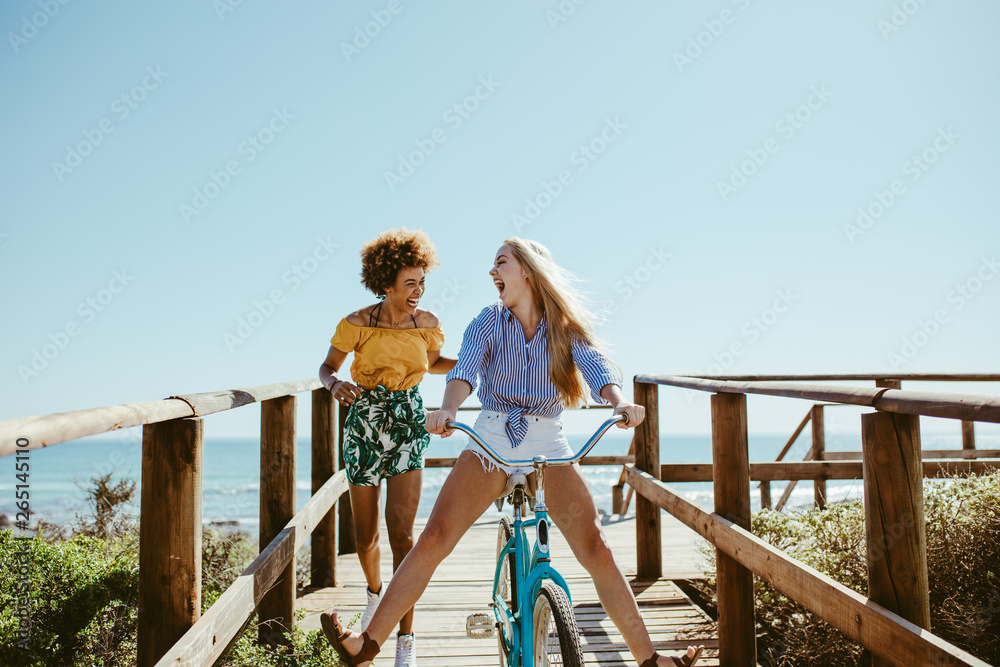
(437, 420)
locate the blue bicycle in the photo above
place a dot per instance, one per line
(531, 603)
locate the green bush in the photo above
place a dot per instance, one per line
(963, 553)
(85, 601)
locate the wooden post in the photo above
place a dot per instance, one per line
(649, 559)
(819, 453)
(765, 495)
(894, 516)
(968, 435)
(276, 611)
(324, 465)
(617, 496)
(346, 537)
(731, 482)
(169, 536)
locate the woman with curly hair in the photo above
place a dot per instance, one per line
(394, 345)
(532, 354)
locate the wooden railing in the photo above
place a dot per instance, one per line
(172, 630)
(893, 622)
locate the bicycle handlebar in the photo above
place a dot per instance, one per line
(458, 426)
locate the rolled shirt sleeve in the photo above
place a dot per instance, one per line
(472, 356)
(596, 369)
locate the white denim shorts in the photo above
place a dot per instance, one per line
(545, 437)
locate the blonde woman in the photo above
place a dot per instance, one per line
(530, 354)
(394, 345)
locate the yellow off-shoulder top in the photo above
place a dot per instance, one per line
(393, 358)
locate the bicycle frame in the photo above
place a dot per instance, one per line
(532, 568)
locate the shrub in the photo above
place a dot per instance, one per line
(85, 602)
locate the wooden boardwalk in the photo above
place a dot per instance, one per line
(463, 582)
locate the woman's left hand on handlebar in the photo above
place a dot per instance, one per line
(635, 413)
(437, 420)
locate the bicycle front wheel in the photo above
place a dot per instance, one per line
(556, 637)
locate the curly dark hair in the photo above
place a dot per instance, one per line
(382, 258)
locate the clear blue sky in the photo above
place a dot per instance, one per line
(168, 168)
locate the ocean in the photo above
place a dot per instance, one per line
(60, 474)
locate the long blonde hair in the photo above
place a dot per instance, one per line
(554, 291)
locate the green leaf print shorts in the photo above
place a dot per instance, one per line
(384, 435)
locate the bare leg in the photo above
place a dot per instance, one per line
(466, 494)
(401, 500)
(572, 508)
(364, 506)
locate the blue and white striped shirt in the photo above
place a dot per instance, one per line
(515, 372)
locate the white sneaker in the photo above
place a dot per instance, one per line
(406, 651)
(373, 600)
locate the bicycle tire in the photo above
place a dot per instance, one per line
(556, 636)
(507, 587)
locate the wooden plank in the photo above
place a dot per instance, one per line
(169, 535)
(647, 454)
(276, 610)
(324, 466)
(926, 454)
(968, 435)
(889, 384)
(894, 517)
(973, 407)
(818, 450)
(795, 436)
(868, 377)
(204, 643)
(765, 495)
(813, 392)
(462, 582)
(888, 635)
(218, 401)
(47, 430)
(808, 470)
(734, 582)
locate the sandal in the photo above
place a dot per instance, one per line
(336, 633)
(683, 661)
